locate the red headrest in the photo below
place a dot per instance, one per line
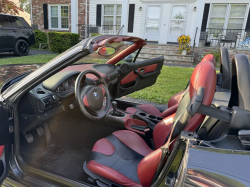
(210, 58)
(204, 75)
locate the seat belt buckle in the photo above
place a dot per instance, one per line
(148, 133)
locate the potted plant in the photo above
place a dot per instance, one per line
(184, 42)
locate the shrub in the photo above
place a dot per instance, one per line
(41, 37)
(95, 34)
(61, 41)
(216, 55)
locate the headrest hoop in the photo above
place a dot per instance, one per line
(240, 86)
(225, 68)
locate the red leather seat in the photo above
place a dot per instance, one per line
(124, 158)
(172, 103)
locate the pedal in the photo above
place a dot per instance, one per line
(48, 135)
(40, 131)
(29, 138)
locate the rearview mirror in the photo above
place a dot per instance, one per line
(128, 58)
(106, 51)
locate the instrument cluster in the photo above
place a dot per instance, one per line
(67, 86)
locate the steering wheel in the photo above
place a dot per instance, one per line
(91, 97)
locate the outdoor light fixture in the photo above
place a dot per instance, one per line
(194, 8)
(140, 8)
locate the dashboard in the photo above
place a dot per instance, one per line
(57, 94)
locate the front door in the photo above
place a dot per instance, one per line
(153, 20)
(177, 24)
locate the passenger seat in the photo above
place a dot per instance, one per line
(173, 102)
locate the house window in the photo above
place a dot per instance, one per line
(59, 17)
(112, 16)
(228, 16)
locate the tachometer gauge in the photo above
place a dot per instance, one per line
(63, 87)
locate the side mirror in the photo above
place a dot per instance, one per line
(128, 58)
(106, 51)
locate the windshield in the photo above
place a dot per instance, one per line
(105, 53)
(101, 49)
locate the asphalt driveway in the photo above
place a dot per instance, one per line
(32, 52)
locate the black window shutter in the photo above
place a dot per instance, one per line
(98, 15)
(205, 17)
(131, 16)
(45, 16)
(248, 22)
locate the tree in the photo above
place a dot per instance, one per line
(9, 7)
(25, 5)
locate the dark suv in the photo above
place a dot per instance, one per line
(16, 35)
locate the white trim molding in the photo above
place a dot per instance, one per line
(168, 1)
(74, 16)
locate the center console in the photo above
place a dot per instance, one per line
(139, 122)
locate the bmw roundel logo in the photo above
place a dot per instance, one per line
(95, 94)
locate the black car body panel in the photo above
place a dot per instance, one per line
(12, 29)
(217, 167)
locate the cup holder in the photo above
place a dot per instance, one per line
(152, 117)
(143, 114)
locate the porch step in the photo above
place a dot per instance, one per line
(162, 51)
(170, 52)
(160, 46)
(169, 61)
(167, 56)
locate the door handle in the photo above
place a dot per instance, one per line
(14, 30)
(142, 70)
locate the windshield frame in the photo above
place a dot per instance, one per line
(69, 57)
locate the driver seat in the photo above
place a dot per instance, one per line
(125, 159)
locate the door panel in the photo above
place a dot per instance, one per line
(139, 75)
(6, 121)
(132, 76)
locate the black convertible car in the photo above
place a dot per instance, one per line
(64, 124)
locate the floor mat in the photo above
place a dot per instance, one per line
(51, 155)
(74, 137)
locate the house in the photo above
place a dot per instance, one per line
(162, 21)
(58, 15)
(23, 14)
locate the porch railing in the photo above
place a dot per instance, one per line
(87, 30)
(231, 38)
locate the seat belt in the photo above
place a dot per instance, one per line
(165, 147)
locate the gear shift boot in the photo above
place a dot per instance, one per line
(115, 112)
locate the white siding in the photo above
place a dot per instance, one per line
(137, 16)
(192, 28)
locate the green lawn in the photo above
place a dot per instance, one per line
(33, 59)
(171, 80)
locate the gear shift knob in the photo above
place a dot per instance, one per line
(114, 105)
